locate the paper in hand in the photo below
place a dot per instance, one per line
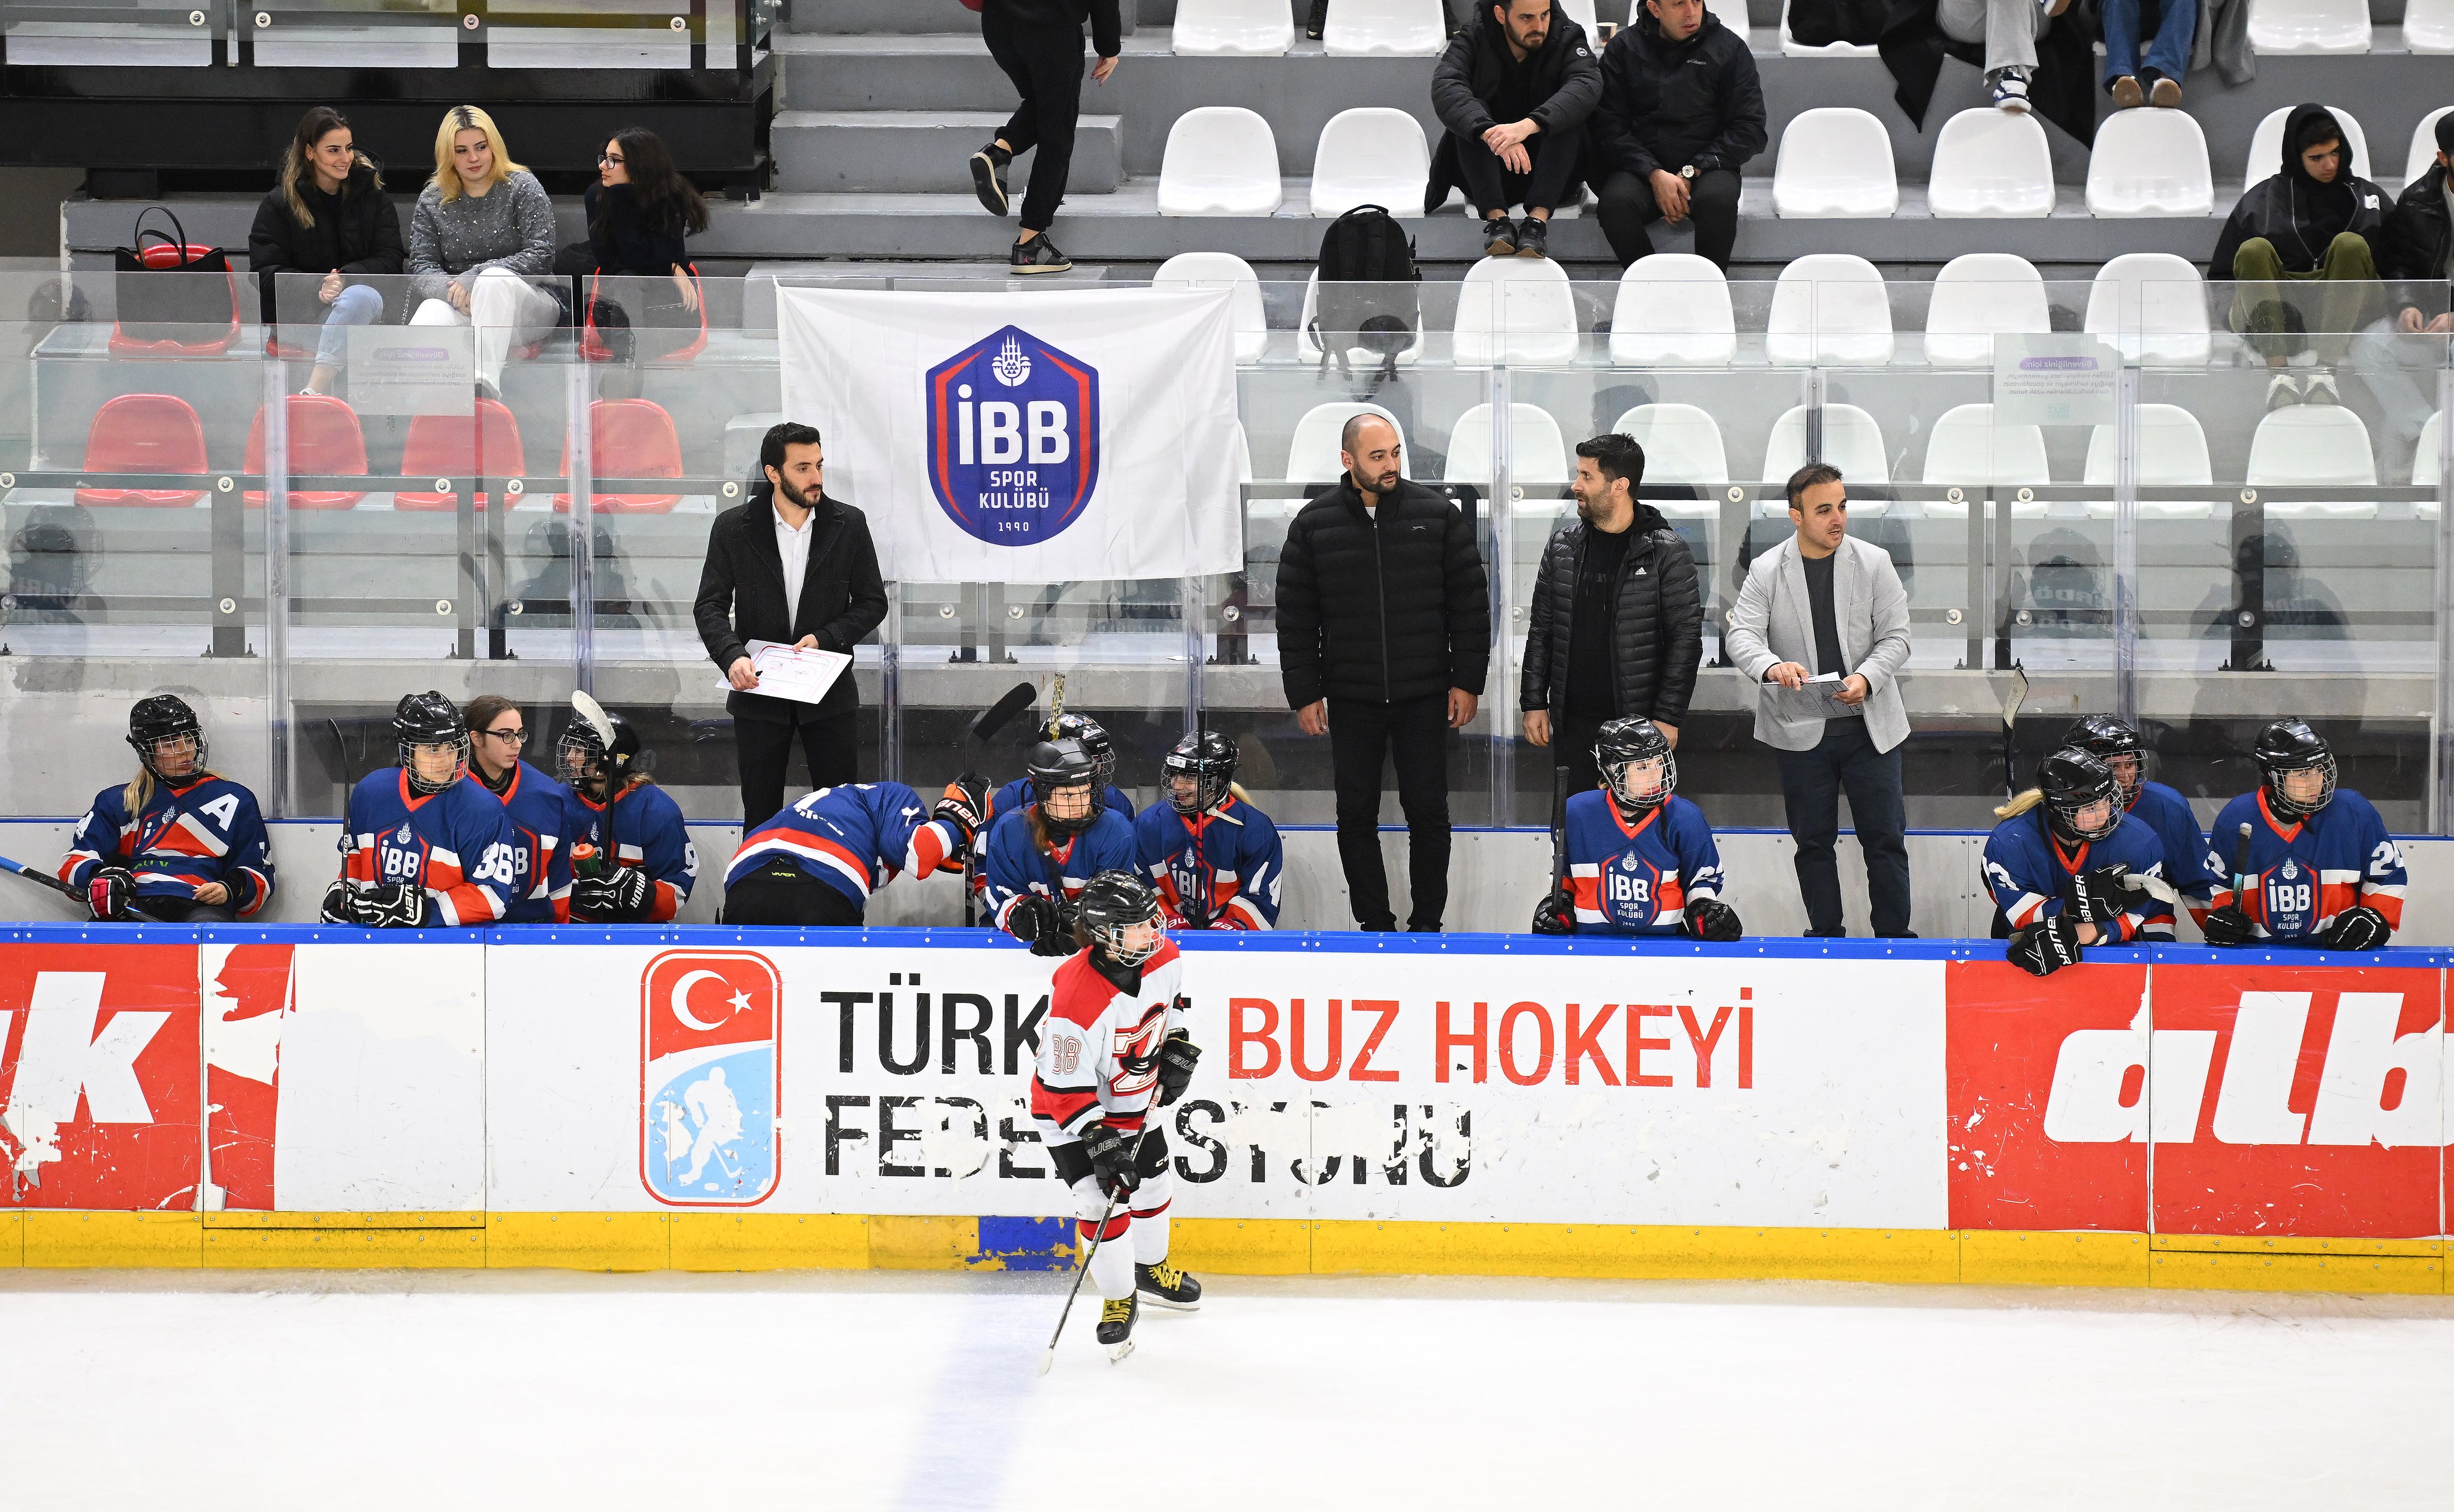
(791, 671)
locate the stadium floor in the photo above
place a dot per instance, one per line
(881, 1389)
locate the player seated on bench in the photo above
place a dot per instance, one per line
(1017, 793)
(816, 861)
(2070, 869)
(178, 842)
(2311, 864)
(632, 859)
(2116, 743)
(1038, 857)
(421, 845)
(1217, 858)
(1640, 858)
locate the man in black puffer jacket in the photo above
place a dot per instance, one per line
(1384, 640)
(1617, 623)
(1514, 90)
(1682, 111)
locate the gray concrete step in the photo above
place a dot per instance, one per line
(923, 152)
(758, 290)
(904, 17)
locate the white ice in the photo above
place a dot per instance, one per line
(543, 1390)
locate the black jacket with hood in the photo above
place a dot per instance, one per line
(1668, 104)
(2421, 230)
(1657, 625)
(2300, 216)
(363, 239)
(1564, 82)
(1381, 604)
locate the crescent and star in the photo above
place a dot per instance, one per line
(679, 1000)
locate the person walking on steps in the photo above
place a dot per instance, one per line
(1038, 44)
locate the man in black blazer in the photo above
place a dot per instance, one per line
(789, 545)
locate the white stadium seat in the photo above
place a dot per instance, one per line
(2149, 163)
(2428, 25)
(1683, 447)
(1852, 442)
(2313, 445)
(1969, 451)
(1673, 310)
(2153, 306)
(2423, 155)
(2266, 144)
(2172, 454)
(1404, 29)
(1220, 160)
(1832, 309)
(2309, 26)
(1977, 296)
(1791, 47)
(1581, 12)
(1233, 28)
(1371, 155)
(1516, 311)
(1835, 162)
(1244, 294)
(1358, 355)
(1312, 456)
(1537, 454)
(1990, 162)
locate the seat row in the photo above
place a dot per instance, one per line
(160, 433)
(2305, 446)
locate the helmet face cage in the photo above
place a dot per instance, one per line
(1643, 783)
(159, 721)
(2074, 781)
(2066, 815)
(1056, 765)
(2114, 742)
(409, 749)
(1209, 760)
(1117, 902)
(579, 756)
(2274, 772)
(1109, 936)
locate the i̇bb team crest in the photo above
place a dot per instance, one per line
(1013, 437)
(710, 1079)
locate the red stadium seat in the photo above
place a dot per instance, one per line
(593, 347)
(324, 440)
(182, 338)
(484, 444)
(629, 438)
(144, 433)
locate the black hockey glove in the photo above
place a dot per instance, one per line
(2362, 928)
(108, 891)
(1035, 920)
(2099, 896)
(1709, 918)
(2046, 946)
(2228, 926)
(1556, 913)
(337, 909)
(965, 804)
(1176, 1058)
(620, 898)
(391, 905)
(1112, 1158)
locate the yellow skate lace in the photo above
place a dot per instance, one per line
(1117, 1310)
(1167, 1276)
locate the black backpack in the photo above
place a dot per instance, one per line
(1371, 294)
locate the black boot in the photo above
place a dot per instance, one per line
(1117, 1318)
(1166, 1286)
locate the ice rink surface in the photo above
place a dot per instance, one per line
(895, 1390)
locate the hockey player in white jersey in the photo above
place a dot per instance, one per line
(1112, 1043)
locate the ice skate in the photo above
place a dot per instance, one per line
(1166, 1286)
(1117, 1327)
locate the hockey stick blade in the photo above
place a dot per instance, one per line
(1000, 713)
(590, 710)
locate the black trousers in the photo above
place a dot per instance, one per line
(1045, 64)
(1363, 736)
(1628, 207)
(1811, 783)
(1491, 188)
(763, 750)
(781, 892)
(1571, 752)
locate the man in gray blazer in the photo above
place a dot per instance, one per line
(1823, 605)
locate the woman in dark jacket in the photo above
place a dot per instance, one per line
(328, 215)
(638, 210)
(2316, 221)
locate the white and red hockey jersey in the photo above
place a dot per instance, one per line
(1098, 1046)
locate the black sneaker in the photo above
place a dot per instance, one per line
(1499, 238)
(1166, 1286)
(1037, 255)
(1533, 237)
(1319, 17)
(988, 177)
(1116, 1316)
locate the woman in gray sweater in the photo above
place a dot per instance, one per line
(482, 223)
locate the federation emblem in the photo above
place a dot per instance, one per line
(710, 1079)
(1014, 438)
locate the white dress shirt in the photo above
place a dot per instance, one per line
(794, 547)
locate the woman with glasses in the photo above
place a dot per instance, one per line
(639, 209)
(540, 808)
(482, 228)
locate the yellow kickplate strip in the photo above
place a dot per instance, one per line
(13, 1240)
(1634, 1253)
(768, 1242)
(2297, 1273)
(1995, 1258)
(2283, 1244)
(586, 1241)
(109, 1240)
(344, 1221)
(1242, 1246)
(337, 1247)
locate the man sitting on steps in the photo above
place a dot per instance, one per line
(1514, 93)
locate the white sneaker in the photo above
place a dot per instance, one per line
(2319, 387)
(2010, 89)
(2283, 390)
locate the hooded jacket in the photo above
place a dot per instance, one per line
(2421, 230)
(1657, 626)
(2300, 216)
(1667, 104)
(1563, 83)
(363, 239)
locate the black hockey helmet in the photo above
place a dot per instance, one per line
(597, 748)
(1095, 740)
(1622, 748)
(2073, 781)
(1065, 764)
(163, 717)
(1208, 758)
(2291, 745)
(430, 718)
(1111, 904)
(2110, 739)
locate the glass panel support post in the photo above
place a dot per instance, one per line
(889, 686)
(2125, 544)
(279, 798)
(2440, 750)
(583, 525)
(1503, 581)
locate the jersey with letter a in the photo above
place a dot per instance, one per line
(649, 834)
(1222, 867)
(2185, 849)
(2029, 871)
(2303, 875)
(457, 844)
(1015, 867)
(207, 831)
(539, 808)
(1098, 1046)
(855, 838)
(1639, 878)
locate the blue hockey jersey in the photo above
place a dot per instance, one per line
(647, 833)
(2302, 876)
(208, 831)
(1218, 870)
(2186, 847)
(1639, 878)
(457, 844)
(855, 838)
(1015, 867)
(2029, 873)
(539, 808)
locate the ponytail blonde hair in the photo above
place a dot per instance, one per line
(139, 791)
(469, 118)
(2021, 804)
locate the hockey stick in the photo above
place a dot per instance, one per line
(2010, 729)
(47, 880)
(1097, 1236)
(1558, 828)
(2240, 865)
(985, 724)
